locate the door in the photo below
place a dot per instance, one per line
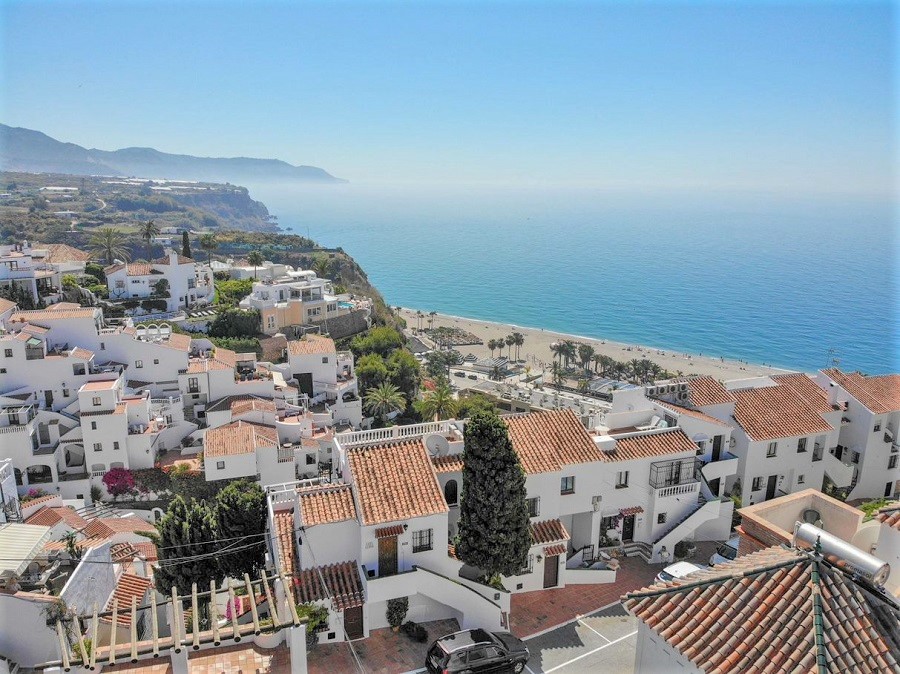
(305, 383)
(717, 448)
(628, 528)
(48, 398)
(387, 556)
(353, 622)
(888, 488)
(551, 570)
(770, 486)
(714, 486)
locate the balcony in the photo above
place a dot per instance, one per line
(70, 477)
(675, 473)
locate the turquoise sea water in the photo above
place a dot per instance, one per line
(760, 278)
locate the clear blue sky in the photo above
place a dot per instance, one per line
(792, 97)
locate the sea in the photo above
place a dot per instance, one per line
(795, 282)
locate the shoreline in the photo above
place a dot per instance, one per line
(537, 353)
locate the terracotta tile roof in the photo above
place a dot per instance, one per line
(41, 315)
(310, 345)
(451, 463)
(648, 445)
(140, 269)
(78, 352)
(547, 441)
(49, 517)
(548, 531)
(105, 527)
(696, 414)
(60, 252)
(633, 510)
(240, 404)
(63, 306)
(706, 390)
(395, 482)
(284, 537)
(803, 385)
(341, 584)
(33, 329)
(99, 385)
(239, 437)
(113, 268)
(181, 260)
(879, 394)
(775, 412)
(177, 341)
(389, 532)
(889, 516)
(225, 356)
(147, 550)
(128, 587)
(6, 305)
(759, 613)
(326, 504)
(552, 550)
(84, 543)
(122, 552)
(40, 499)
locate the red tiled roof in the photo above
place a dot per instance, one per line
(341, 584)
(40, 499)
(128, 587)
(122, 552)
(775, 412)
(105, 527)
(240, 404)
(633, 510)
(804, 386)
(284, 536)
(547, 441)
(707, 391)
(84, 354)
(6, 305)
(395, 482)
(879, 394)
(146, 550)
(239, 437)
(889, 516)
(696, 414)
(310, 345)
(552, 550)
(42, 315)
(140, 269)
(759, 613)
(548, 531)
(181, 260)
(326, 504)
(60, 252)
(389, 532)
(451, 463)
(648, 445)
(49, 517)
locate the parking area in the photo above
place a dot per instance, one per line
(603, 641)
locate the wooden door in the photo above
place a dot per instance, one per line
(770, 487)
(387, 556)
(353, 622)
(717, 448)
(628, 528)
(551, 570)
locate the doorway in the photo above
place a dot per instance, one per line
(551, 570)
(628, 528)
(770, 486)
(353, 622)
(387, 556)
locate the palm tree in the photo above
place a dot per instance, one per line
(431, 320)
(384, 399)
(147, 231)
(419, 317)
(492, 346)
(568, 351)
(597, 359)
(585, 354)
(209, 243)
(510, 342)
(557, 349)
(519, 340)
(321, 265)
(635, 366)
(109, 243)
(256, 259)
(558, 374)
(439, 403)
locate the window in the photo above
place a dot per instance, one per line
(116, 444)
(877, 427)
(621, 479)
(220, 465)
(270, 321)
(422, 540)
(65, 393)
(609, 522)
(156, 361)
(772, 450)
(193, 385)
(801, 445)
(661, 518)
(451, 492)
(98, 447)
(534, 506)
(139, 363)
(892, 462)
(324, 360)
(529, 566)
(7, 353)
(757, 483)
(103, 346)
(567, 485)
(95, 401)
(93, 425)
(2, 370)
(801, 479)
(310, 460)
(855, 457)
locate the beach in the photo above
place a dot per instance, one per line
(536, 351)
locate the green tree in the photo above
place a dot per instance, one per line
(110, 244)
(70, 539)
(437, 404)
(209, 243)
(585, 354)
(510, 341)
(322, 265)
(240, 511)
(519, 341)
(384, 399)
(235, 323)
(472, 404)
(148, 231)
(256, 259)
(21, 297)
(186, 244)
(371, 371)
(381, 340)
(405, 373)
(183, 538)
(493, 523)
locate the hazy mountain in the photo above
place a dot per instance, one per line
(33, 151)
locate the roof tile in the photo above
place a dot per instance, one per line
(326, 504)
(546, 441)
(773, 412)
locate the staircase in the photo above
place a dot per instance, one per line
(705, 511)
(639, 549)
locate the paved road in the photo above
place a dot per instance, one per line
(603, 641)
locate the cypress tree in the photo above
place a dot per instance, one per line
(493, 525)
(186, 244)
(184, 534)
(241, 515)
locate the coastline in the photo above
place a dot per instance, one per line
(536, 351)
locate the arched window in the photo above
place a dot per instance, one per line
(39, 474)
(451, 492)
(18, 474)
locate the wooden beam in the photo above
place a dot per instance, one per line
(177, 619)
(154, 626)
(81, 647)
(134, 636)
(214, 613)
(63, 646)
(276, 623)
(95, 639)
(289, 592)
(195, 618)
(112, 632)
(252, 595)
(235, 630)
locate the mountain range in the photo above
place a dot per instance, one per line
(35, 152)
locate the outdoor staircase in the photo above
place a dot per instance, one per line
(639, 549)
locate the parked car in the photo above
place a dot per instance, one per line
(459, 374)
(477, 651)
(725, 552)
(676, 571)
(473, 376)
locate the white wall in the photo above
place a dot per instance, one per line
(654, 656)
(888, 550)
(24, 635)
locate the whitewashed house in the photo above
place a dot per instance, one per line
(187, 283)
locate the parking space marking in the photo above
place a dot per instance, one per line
(584, 655)
(581, 622)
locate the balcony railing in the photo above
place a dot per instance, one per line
(674, 473)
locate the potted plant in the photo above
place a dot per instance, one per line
(396, 612)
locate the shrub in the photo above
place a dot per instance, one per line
(684, 549)
(119, 481)
(32, 494)
(154, 305)
(235, 323)
(96, 494)
(415, 631)
(99, 290)
(396, 611)
(69, 282)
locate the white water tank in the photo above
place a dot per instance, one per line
(842, 554)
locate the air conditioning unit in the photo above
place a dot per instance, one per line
(683, 387)
(683, 395)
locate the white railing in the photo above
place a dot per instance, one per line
(395, 433)
(285, 455)
(6, 470)
(678, 489)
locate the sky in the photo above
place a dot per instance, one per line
(781, 97)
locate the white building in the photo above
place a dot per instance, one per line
(187, 283)
(20, 268)
(888, 544)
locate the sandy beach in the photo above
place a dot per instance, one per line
(536, 351)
